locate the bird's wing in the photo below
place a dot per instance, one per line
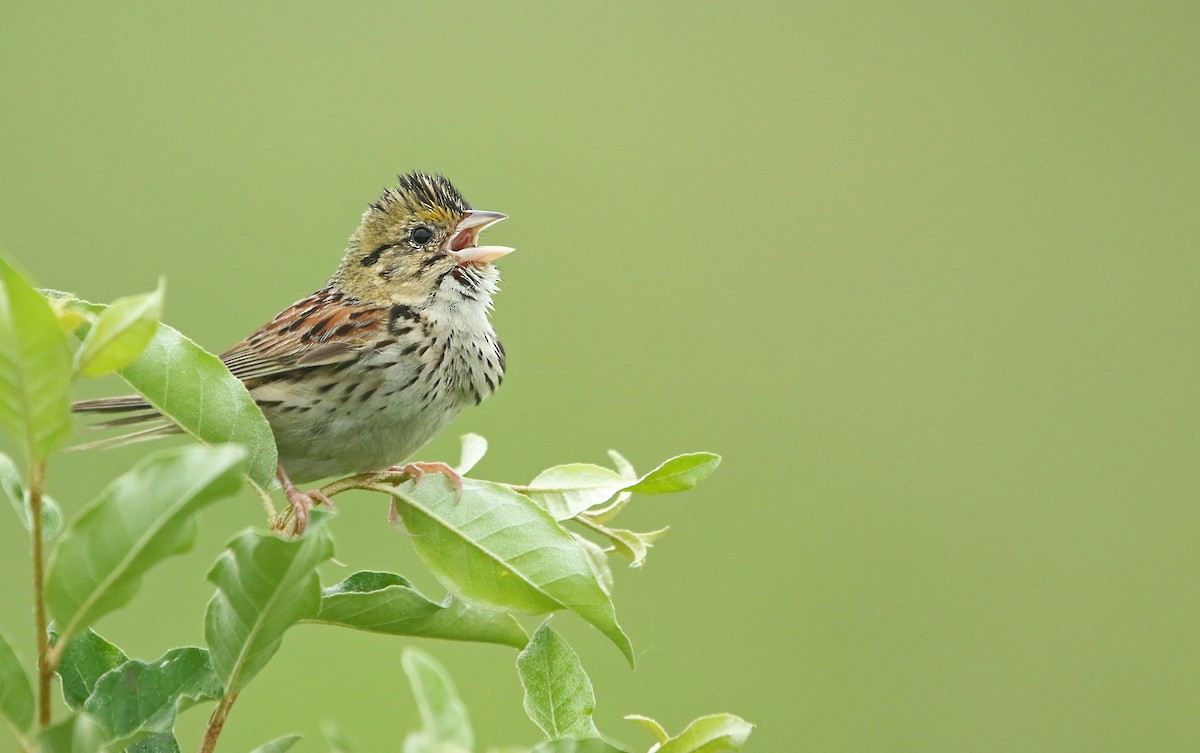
(324, 328)
(320, 330)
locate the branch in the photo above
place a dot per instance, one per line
(37, 472)
(216, 723)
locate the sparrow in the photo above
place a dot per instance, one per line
(362, 373)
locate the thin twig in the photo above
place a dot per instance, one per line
(587, 522)
(37, 472)
(364, 482)
(216, 723)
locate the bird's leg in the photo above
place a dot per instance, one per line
(301, 502)
(417, 471)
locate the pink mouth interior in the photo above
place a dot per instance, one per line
(465, 239)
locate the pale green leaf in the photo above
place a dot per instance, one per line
(623, 466)
(710, 734)
(278, 745)
(655, 728)
(496, 546)
(35, 368)
(264, 586)
(10, 486)
(678, 474)
(632, 545)
(16, 693)
(193, 388)
(87, 658)
(143, 517)
(14, 489)
(119, 334)
(140, 696)
(558, 693)
(445, 725)
(338, 739)
(567, 490)
(474, 447)
(387, 603)
(70, 317)
(609, 511)
(78, 733)
(598, 559)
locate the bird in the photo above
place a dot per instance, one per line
(359, 375)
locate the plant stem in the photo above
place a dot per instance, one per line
(587, 522)
(364, 481)
(37, 473)
(216, 723)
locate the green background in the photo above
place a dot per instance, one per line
(925, 274)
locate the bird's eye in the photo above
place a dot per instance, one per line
(421, 235)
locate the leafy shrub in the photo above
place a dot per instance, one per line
(501, 550)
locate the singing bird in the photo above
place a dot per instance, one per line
(362, 373)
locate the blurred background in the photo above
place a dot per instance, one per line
(924, 273)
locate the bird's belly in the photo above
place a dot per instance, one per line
(347, 431)
(337, 420)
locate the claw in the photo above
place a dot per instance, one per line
(301, 502)
(417, 471)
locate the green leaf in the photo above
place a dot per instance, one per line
(10, 486)
(567, 490)
(264, 586)
(16, 693)
(631, 545)
(598, 559)
(710, 734)
(119, 334)
(142, 518)
(678, 474)
(159, 742)
(78, 733)
(338, 740)
(623, 466)
(193, 388)
(655, 728)
(70, 316)
(496, 546)
(278, 745)
(35, 368)
(141, 696)
(558, 693)
(609, 511)
(387, 603)
(568, 745)
(445, 726)
(474, 447)
(86, 659)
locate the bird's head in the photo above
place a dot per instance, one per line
(420, 240)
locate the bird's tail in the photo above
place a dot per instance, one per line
(136, 411)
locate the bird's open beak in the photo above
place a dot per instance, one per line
(462, 245)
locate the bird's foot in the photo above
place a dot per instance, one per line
(301, 502)
(417, 471)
